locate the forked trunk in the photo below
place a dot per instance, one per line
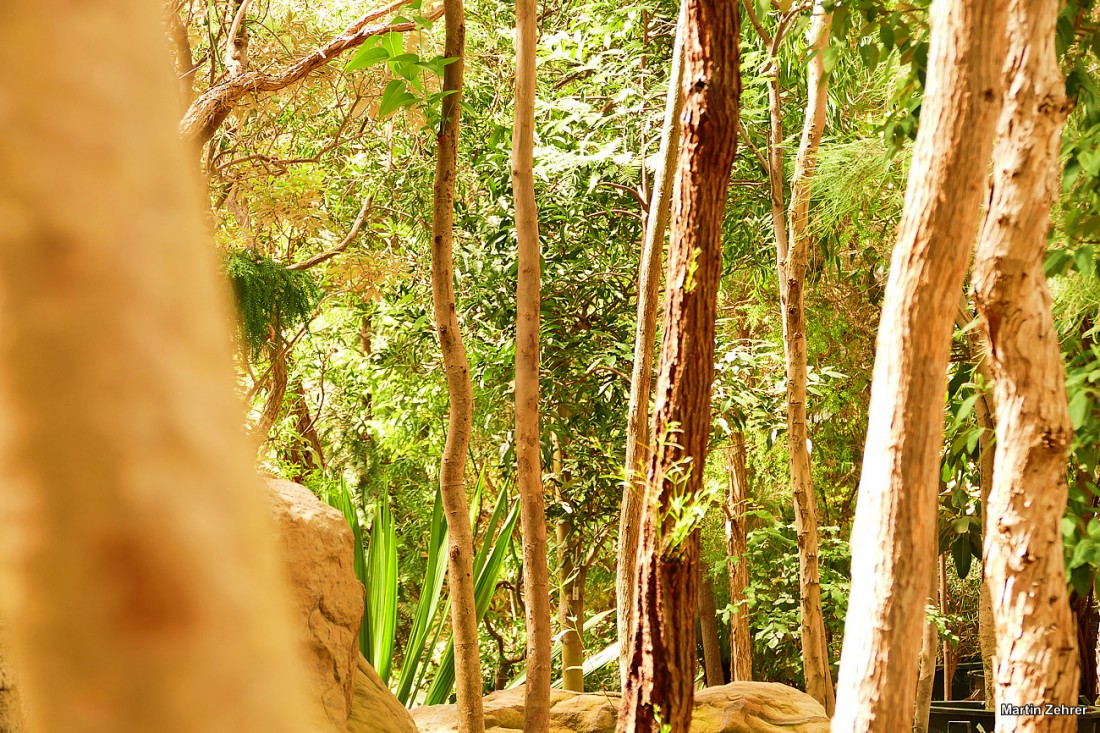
(662, 649)
(452, 473)
(536, 579)
(896, 509)
(1037, 661)
(736, 506)
(138, 546)
(649, 277)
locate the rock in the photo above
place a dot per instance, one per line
(318, 548)
(317, 545)
(374, 709)
(739, 707)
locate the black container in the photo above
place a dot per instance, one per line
(965, 717)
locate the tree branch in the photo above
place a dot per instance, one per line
(212, 107)
(328, 255)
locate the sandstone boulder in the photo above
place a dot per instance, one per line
(374, 709)
(739, 707)
(317, 547)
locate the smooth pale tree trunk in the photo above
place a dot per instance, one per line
(142, 584)
(708, 629)
(927, 674)
(792, 254)
(737, 502)
(659, 688)
(896, 510)
(536, 579)
(1037, 660)
(570, 610)
(452, 472)
(649, 277)
(570, 585)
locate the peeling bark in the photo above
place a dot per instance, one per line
(1037, 660)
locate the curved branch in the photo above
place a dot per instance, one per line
(344, 244)
(212, 107)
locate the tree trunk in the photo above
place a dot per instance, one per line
(307, 453)
(927, 675)
(570, 610)
(896, 509)
(536, 583)
(792, 254)
(637, 434)
(708, 629)
(662, 651)
(1037, 659)
(737, 505)
(987, 639)
(948, 648)
(978, 352)
(452, 472)
(144, 549)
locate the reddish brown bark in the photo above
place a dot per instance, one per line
(662, 652)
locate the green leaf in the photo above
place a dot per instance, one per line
(382, 590)
(960, 553)
(365, 57)
(394, 43)
(394, 97)
(1079, 408)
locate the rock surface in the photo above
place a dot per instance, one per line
(317, 547)
(739, 707)
(374, 709)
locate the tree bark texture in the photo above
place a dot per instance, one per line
(736, 530)
(896, 510)
(792, 254)
(662, 650)
(1037, 659)
(143, 587)
(536, 582)
(708, 630)
(649, 277)
(927, 674)
(978, 355)
(452, 472)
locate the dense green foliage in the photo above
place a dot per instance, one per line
(288, 172)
